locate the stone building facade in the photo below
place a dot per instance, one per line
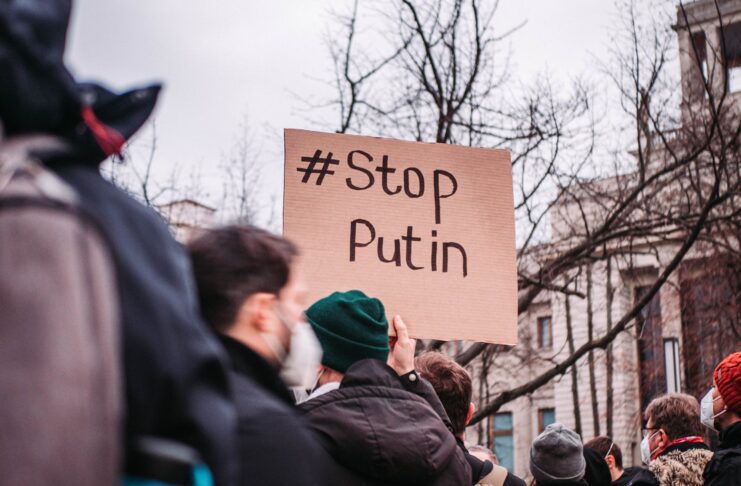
(688, 327)
(186, 217)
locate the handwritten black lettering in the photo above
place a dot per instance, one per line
(352, 165)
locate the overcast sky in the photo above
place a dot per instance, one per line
(225, 59)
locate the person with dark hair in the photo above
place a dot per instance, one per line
(380, 421)
(253, 295)
(557, 457)
(452, 383)
(720, 410)
(613, 456)
(672, 445)
(174, 381)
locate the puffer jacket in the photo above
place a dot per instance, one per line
(682, 463)
(381, 433)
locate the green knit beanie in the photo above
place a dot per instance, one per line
(350, 326)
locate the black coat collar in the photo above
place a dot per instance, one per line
(731, 436)
(246, 362)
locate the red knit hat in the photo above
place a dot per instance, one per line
(727, 377)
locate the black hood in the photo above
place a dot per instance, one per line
(597, 472)
(39, 95)
(374, 427)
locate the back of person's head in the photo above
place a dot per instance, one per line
(606, 446)
(234, 262)
(556, 456)
(451, 382)
(350, 327)
(483, 453)
(727, 378)
(677, 414)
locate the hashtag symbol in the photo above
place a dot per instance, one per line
(310, 169)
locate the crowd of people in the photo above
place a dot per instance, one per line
(125, 357)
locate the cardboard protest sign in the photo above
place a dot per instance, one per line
(427, 228)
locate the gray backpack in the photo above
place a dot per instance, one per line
(60, 384)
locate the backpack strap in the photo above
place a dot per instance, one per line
(18, 160)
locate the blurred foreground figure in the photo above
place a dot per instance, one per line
(77, 257)
(252, 294)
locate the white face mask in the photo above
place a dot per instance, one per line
(301, 361)
(299, 367)
(706, 410)
(646, 449)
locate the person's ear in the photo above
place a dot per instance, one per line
(663, 439)
(471, 409)
(610, 461)
(257, 311)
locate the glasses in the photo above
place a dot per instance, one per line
(647, 430)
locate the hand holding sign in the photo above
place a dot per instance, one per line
(401, 356)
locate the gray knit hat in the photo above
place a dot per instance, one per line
(556, 456)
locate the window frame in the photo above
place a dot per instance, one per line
(541, 413)
(494, 433)
(540, 321)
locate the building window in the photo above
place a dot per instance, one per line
(545, 332)
(671, 365)
(650, 348)
(546, 416)
(502, 440)
(698, 55)
(732, 56)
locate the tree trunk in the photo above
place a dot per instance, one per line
(590, 357)
(574, 382)
(608, 354)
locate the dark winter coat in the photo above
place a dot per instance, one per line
(276, 447)
(380, 431)
(724, 469)
(174, 369)
(678, 464)
(512, 480)
(628, 475)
